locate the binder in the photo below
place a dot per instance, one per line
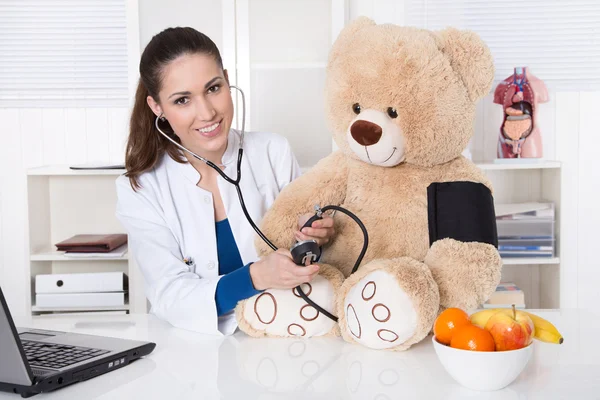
(86, 243)
(80, 300)
(81, 282)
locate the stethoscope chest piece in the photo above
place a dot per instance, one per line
(306, 250)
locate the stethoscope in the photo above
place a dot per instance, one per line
(302, 252)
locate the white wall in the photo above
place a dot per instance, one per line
(203, 15)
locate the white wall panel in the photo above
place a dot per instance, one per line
(118, 130)
(290, 103)
(12, 209)
(96, 131)
(32, 137)
(567, 152)
(289, 31)
(589, 194)
(75, 136)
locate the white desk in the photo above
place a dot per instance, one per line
(186, 365)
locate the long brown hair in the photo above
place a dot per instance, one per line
(145, 145)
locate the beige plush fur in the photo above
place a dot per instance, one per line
(432, 80)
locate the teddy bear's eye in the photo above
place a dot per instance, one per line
(392, 112)
(356, 108)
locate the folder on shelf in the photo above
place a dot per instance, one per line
(533, 210)
(81, 282)
(119, 252)
(92, 243)
(80, 300)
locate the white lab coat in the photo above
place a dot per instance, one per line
(170, 218)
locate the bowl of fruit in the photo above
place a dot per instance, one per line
(489, 349)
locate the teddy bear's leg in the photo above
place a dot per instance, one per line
(283, 313)
(467, 273)
(388, 304)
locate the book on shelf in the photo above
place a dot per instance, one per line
(92, 243)
(525, 230)
(526, 253)
(520, 211)
(502, 247)
(505, 295)
(517, 306)
(119, 252)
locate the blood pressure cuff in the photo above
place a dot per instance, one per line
(463, 211)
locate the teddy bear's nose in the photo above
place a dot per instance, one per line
(365, 132)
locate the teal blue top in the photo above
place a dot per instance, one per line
(236, 284)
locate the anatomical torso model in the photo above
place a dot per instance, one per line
(519, 95)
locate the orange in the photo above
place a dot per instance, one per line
(447, 322)
(472, 337)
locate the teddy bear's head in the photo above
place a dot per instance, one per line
(401, 94)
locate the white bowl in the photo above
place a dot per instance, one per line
(483, 370)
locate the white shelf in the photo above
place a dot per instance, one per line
(66, 309)
(64, 170)
(518, 165)
(50, 255)
(288, 65)
(531, 261)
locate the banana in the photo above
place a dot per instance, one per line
(544, 330)
(480, 318)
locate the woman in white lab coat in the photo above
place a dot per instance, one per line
(186, 227)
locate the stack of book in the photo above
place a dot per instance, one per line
(80, 291)
(525, 229)
(505, 296)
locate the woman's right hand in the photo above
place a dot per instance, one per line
(278, 271)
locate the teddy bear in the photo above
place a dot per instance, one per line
(400, 104)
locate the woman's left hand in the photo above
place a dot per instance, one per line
(321, 230)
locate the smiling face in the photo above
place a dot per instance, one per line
(374, 137)
(195, 99)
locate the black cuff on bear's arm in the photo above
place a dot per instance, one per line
(463, 211)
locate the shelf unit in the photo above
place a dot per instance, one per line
(519, 181)
(516, 165)
(63, 202)
(532, 261)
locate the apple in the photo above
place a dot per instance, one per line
(511, 331)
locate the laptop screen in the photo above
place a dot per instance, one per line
(13, 368)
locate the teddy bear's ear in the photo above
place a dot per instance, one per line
(470, 57)
(347, 34)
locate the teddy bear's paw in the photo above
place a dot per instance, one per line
(378, 313)
(283, 313)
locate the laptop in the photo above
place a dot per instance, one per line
(34, 361)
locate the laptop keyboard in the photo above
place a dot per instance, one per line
(56, 356)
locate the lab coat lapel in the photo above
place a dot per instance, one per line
(196, 218)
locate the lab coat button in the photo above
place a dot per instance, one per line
(210, 265)
(207, 199)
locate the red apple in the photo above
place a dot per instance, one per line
(511, 331)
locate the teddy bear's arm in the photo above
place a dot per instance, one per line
(324, 184)
(463, 256)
